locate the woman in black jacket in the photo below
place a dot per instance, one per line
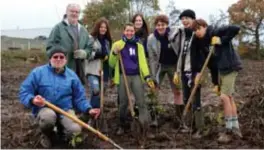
(229, 64)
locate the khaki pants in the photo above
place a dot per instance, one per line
(228, 83)
(47, 119)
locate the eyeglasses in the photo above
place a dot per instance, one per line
(57, 57)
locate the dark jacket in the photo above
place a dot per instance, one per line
(227, 58)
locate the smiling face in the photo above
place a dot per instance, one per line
(103, 29)
(73, 12)
(161, 27)
(200, 32)
(138, 22)
(58, 60)
(187, 22)
(129, 32)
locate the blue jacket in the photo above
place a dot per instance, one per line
(63, 90)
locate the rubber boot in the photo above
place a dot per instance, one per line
(178, 115)
(199, 124)
(154, 118)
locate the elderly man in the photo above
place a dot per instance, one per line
(56, 83)
(74, 38)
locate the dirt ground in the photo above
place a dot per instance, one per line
(18, 129)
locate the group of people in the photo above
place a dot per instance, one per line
(77, 58)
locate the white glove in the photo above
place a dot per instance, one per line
(80, 54)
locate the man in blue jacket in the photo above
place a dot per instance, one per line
(56, 83)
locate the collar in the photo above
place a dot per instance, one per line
(53, 70)
(68, 24)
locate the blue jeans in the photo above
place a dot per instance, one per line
(94, 84)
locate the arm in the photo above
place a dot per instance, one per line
(88, 45)
(227, 33)
(28, 90)
(212, 66)
(54, 39)
(79, 98)
(152, 60)
(143, 62)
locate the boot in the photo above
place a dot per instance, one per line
(225, 136)
(199, 123)
(45, 141)
(178, 113)
(120, 131)
(154, 120)
(237, 132)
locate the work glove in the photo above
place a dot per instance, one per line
(80, 54)
(99, 55)
(151, 83)
(176, 79)
(197, 78)
(216, 89)
(116, 50)
(216, 40)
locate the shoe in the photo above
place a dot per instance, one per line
(120, 131)
(184, 128)
(154, 123)
(197, 135)
(225, 137)
(237, 132)
(45, 141)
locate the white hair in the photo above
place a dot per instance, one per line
(72, 5)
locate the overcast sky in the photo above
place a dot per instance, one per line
(24, 14)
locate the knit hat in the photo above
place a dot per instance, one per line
(188, 13)
(56, 49)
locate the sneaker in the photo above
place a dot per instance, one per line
(45, 141)
(237, 132)
(224, 137)
(120, 131)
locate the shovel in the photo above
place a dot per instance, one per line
(102, 122)
(81, 123)
(136, 125)
(190, 100)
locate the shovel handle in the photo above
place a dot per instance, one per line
(190, 100)
(102, 88)
(81, 123)
(126, 85)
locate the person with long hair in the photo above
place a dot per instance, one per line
(142, 30)
(102, 42)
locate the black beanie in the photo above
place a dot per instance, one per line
(56, 49)
(188, 13)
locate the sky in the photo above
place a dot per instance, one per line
(28, 14)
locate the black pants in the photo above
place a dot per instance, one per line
(187, 89)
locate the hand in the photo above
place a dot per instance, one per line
(106, 58)
(216, 40)
(38, 101)
(216, 89)
(79, 54)
(95, 112)
(176, 79)
(117, 49)
(197, 78)
(99, 55)
(151, 83)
